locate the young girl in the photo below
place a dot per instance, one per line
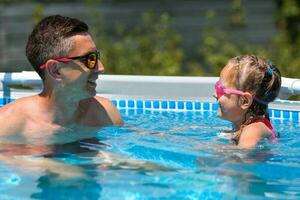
(246, 85)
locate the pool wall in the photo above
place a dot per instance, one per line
(154, 92)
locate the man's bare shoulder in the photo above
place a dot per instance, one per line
(19, 104)
(110, 109)
(13, 114)
(105, 102)
(102, 109)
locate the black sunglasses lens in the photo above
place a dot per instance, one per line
(92, 59)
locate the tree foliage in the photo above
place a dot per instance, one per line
(283, 49)
(152, 47)
(149, 48)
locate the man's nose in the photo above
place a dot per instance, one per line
(215, 96)
(100, 67)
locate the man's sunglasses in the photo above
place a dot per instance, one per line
(90, 60)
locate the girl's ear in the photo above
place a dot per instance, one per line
(53, 69)
(246, 100)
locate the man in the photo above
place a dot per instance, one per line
(65, 117)
(62, 52)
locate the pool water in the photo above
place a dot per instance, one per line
(162, 155)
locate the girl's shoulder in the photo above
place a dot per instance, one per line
(253, 133)
(257, 128)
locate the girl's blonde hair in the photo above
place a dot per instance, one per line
(263, 80)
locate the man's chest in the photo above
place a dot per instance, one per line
(54, 134)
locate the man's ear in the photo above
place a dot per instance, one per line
(246, 100)
(53, 69)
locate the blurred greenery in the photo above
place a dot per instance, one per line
(286, 45)
(153, 47)
(38, 13)
(237, 13)
(217, 47)
(284, 49)
(8, 2)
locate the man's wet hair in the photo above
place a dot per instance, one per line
(50, 38)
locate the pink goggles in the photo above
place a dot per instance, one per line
(220, 90)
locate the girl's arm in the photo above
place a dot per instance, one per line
(252, 134)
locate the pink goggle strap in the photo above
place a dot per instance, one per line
(220, 90)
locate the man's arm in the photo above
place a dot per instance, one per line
(34, 159)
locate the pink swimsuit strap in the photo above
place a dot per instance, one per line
(268, 124)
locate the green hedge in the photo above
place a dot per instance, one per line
(152, 47)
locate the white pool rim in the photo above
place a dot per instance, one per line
(183, 88)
